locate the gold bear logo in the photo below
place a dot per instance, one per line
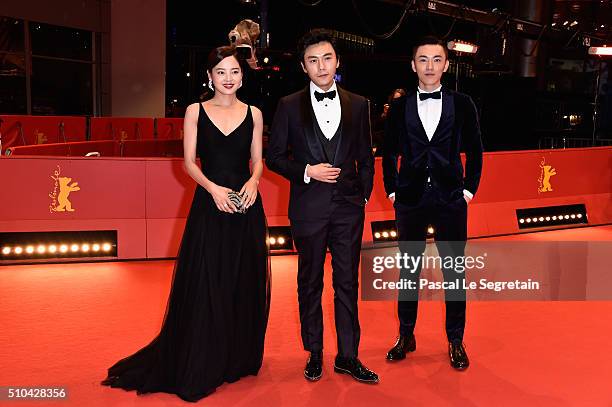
(40, 137)
(547, 171)
(65, 189)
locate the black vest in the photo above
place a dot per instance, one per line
(329, 146)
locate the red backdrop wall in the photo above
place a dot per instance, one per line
(147, 199)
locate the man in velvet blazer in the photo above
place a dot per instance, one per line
(429, 128)
(321, 143)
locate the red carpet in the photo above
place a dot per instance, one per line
(64, 324)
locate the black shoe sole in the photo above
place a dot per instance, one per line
(313, 379)
(460, 368)
(394, 359)
(348, 372)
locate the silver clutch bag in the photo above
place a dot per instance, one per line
(238, 201)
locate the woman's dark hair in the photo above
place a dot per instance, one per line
(219, 54)
(401, 91)
(429, 40)
(313, 37)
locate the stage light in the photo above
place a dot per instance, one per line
(53, 245)
(600, 51)
(565, 23)
(574, 23)
(188, 74)
(462, 46)
(18, 250)
(280, 239)
(430, 230)
(266, 60)
(383, 231)
(543, 216)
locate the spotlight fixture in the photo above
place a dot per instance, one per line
(462, 46)
(551, 216)
(280, 240)
(383, 231)
(601, 51)
(57, 246)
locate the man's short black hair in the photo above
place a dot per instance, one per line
(313, 37)
(429, 40)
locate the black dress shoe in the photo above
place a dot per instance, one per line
(458, 357)
(314, 367)
(354, 367)
(403, 345)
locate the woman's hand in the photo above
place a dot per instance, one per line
(249, 192)
(219, 194)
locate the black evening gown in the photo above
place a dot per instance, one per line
(217, 312)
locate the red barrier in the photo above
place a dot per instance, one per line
(77, 149)
(154, 194)
(152, 148)
(18, 130)
(121, 128)
(55, 149)
(171, 128)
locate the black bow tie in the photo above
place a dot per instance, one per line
(320, 96)
(431, 95)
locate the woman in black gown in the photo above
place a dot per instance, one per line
(214, 328)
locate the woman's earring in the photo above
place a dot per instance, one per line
(210, 85)
(240, 84)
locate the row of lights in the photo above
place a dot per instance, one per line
(385, 234)
(385, 231)
(61, 248)
(549, 218)
(276, 241)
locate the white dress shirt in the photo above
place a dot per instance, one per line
(430, 111)
(327, 112)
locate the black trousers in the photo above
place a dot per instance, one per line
(449, 219)
(342, 233)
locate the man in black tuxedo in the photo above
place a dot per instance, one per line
(321, 142)
(428, 128)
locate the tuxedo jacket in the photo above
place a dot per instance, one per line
(294, 143)
(438, 159)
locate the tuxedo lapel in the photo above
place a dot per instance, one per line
(413, 121)
(347, 124)
(447, 117)
(308, 122)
